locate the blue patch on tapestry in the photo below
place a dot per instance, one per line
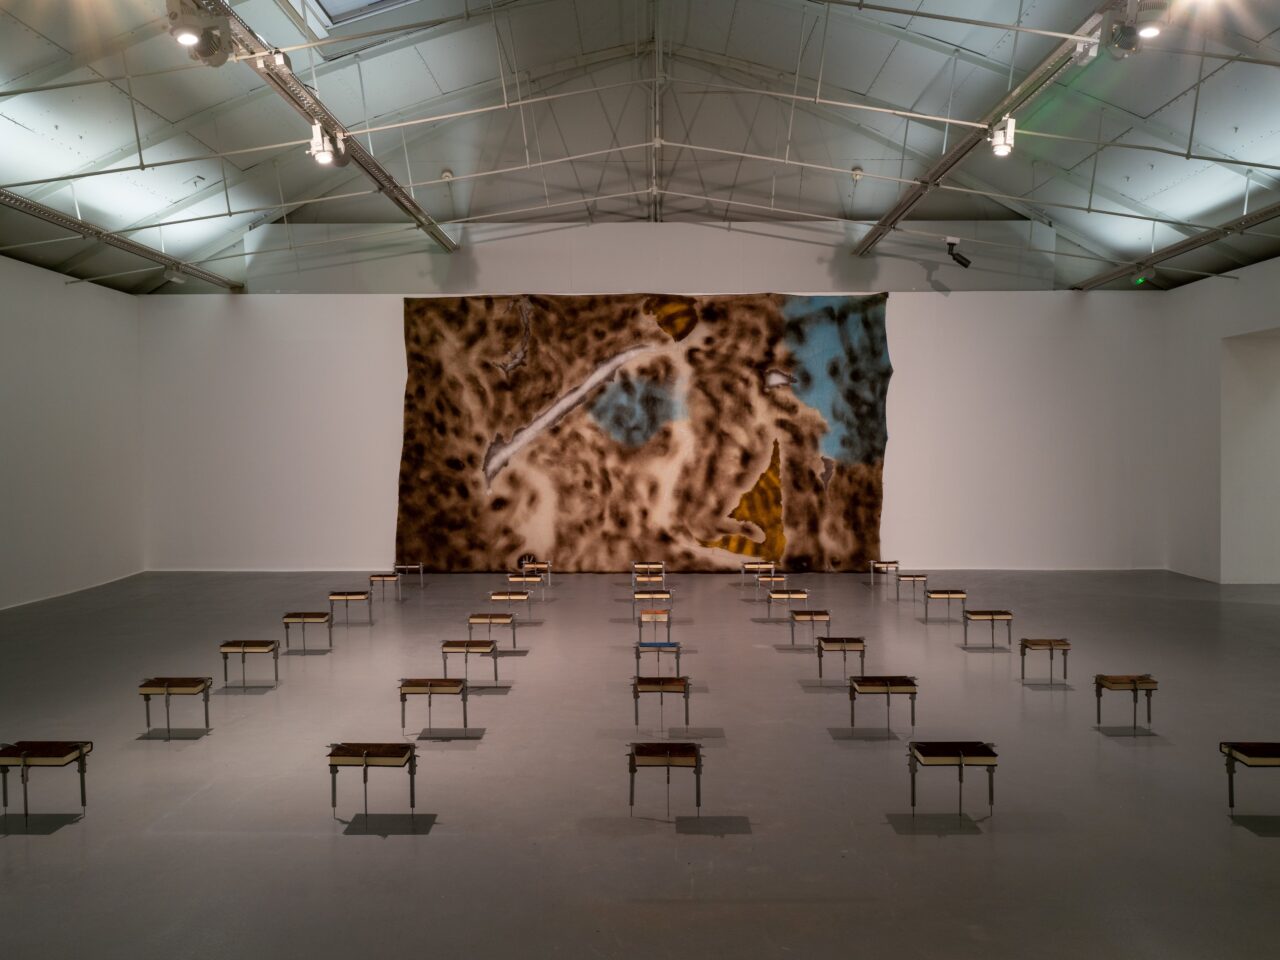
(631, 410)
(842, 370)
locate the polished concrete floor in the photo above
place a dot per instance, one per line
(1103, 843)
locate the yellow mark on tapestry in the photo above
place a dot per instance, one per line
(761, 505)
(677, 316)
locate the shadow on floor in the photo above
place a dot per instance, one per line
(713, 826)
(179, 733)
(389, 825)
(793, 648)
(697, 733)
(628, 734)
(983, 648)
(933, 825)
(323, 651)
(517, 652)
(37, 825)
(1039, 823)
(1133, 733)
(824, 686)
(656, 734)
(668, 654)
(444, 735)
(862, 733)
(251, 690)
(491, 689)
(771, 620)
(1259, 826)
(1044, 687)
(448, 734)
(622, 826)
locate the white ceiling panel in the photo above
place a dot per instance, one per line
(23, 50)
(464, 57)
(603, 25)
(707, 26)
(895, 60)
(83, 27)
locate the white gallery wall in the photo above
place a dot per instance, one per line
(1214, 533)
(262, 432)
(1019, 431)
(1251, 458)
(70, 435)
(1026, 430)
(569, 258)
(273, 427)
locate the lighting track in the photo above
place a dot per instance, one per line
(1221, 232)
(92, 232)
(274, 68)
(1031, 86)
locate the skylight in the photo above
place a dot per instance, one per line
(340, 11)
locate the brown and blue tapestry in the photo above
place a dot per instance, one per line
(593, 431)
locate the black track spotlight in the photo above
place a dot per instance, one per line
(956, 255)
(185, 23)
(1151, 18)
(206, 38)
(209, 47)
(1126, 38)
(1119, 34)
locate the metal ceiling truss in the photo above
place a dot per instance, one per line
(507, 213)
(832, 218)
(110, 160)
(1129, 203)
(1088, 184)
(40, 76)
(560, 72)
(1081, 35)
(655, 116)
(1152, 127)
(277, 72)
(1036, 80)
(966, 183)
(1024, 208)
(92, 232)
(405, 229)
(1244, 47)
(71, 63)
(1148, 125)
(997, 197)
(1012, 202)
(281, 79)
(1238, 225)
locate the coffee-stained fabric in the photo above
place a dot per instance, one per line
(593, 431)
